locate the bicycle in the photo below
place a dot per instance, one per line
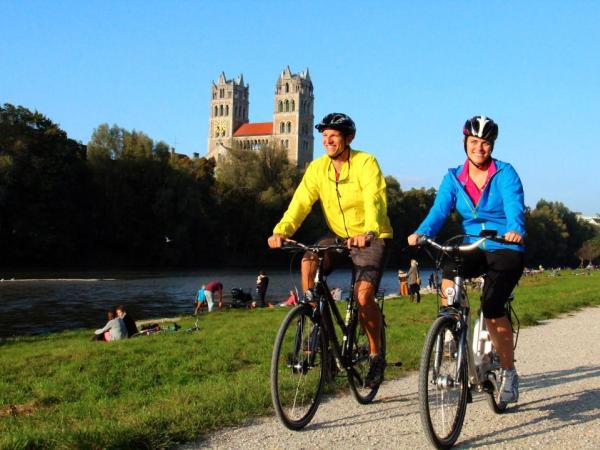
(307, 349)
(455, 361)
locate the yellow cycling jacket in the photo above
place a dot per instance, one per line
(357, 203)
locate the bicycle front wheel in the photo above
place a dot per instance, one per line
(357, 375)
(297, 368)
(442, 388)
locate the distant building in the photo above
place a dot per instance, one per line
(291, 128)
(589, 219)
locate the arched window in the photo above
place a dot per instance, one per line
(287, 88)
(280, 106)
(293, 106)
(282, 127)
(216, 111)
(221, 110)
(287, 106)
(226, 110)
(287, 143)
(289, 127)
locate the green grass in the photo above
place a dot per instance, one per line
(64, 391)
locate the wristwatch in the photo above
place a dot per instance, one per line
(370, 235)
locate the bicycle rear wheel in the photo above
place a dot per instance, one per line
(297, 368)
(442, 390)
(360, 364)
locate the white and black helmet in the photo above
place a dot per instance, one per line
(481, 127)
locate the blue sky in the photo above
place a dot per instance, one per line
(409, 73)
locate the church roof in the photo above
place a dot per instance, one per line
(254, 129)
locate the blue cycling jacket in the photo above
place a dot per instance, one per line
(501, 207)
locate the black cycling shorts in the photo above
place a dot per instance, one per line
(502, 270)
(368, 262)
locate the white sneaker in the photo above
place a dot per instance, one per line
(509, 390)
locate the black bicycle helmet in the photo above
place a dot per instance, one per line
(481, 127)
(337, 121)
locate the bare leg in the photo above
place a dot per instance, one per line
(369, 314)
(502, 337)
(309, 269)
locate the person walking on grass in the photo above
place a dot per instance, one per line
(414, 281)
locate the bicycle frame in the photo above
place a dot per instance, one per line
(461, 313)
(326, 312)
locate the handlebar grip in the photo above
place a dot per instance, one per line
(500, 240)
(422, 239)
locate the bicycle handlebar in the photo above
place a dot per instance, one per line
(290, 244)
(460, 248)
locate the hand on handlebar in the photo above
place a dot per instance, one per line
(276, 241)
(413, 239)
(360, 241)
(513, 237)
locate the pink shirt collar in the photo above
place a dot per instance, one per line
(472, 190)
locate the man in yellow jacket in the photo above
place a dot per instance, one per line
(352, 192)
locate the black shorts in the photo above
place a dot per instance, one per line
(368, 262)
(502, 270)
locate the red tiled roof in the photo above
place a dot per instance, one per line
(254, 129)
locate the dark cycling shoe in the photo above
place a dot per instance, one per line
(376, 368)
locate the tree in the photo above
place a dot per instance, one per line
(106, 143)
(589, 251)
(554, 234)
(254, 188)
(43, 186)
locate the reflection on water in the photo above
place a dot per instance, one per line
(31, 305)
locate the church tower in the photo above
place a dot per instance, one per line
(293, 116)
(291, 128)
(228, 111)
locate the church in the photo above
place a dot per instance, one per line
(290, 130)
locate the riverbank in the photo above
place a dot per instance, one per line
(42, 303)
(64, 391)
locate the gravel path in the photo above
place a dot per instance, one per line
(559, 404)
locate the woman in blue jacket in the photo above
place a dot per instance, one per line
(488, 195)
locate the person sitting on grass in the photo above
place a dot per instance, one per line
(114, 330)
(129, 322)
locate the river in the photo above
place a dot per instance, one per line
(46, 303)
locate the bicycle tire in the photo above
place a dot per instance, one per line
(360, 363)
(442, 403)
(298, 368)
